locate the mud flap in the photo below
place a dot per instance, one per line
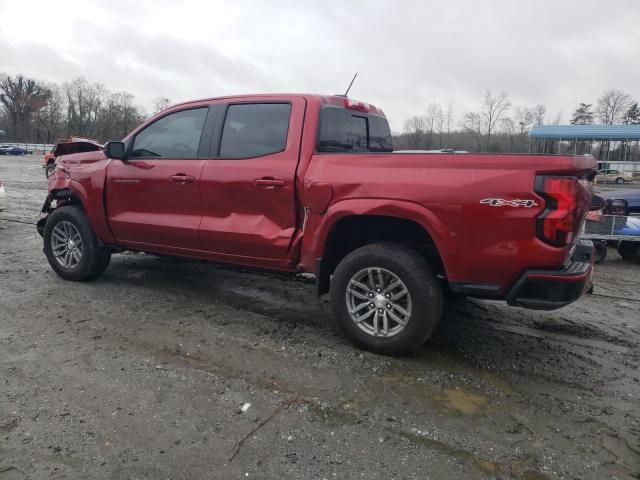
(322, 278)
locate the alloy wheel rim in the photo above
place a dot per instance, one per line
(378, 302)
(66, 244)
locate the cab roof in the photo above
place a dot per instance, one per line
(336, 100)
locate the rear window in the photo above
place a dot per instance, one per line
(342, 130)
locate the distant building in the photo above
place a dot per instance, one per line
(609, 144)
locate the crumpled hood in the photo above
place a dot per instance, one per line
(77, 159)
(75, 145)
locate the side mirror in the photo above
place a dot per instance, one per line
(114, 150)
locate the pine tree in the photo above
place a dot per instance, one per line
(633, 114)
(583, 115)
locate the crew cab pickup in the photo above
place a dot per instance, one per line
(310, 183)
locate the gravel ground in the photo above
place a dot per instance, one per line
(142, 373)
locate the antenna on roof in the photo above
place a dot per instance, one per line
(349, 87)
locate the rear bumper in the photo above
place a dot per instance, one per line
(551, 289)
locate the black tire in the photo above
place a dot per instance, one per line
(48, 170)
(103, 263)
(629, 250)
(94, 259)
(422, 284)
(600, 251)
(619, 180)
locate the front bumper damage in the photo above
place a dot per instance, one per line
(47, 208)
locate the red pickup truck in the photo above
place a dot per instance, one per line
(310, 183)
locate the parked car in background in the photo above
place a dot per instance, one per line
(631, 196)
(67, 146)
(49, 162)
(11, 150)
(3, 197)
(613, 176)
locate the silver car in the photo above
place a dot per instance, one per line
(613, 176)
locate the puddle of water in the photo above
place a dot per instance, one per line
(450, 400)
(461, 401)
(447, 360)
(533, 475)
(486, 465)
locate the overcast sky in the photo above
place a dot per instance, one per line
(407, 53)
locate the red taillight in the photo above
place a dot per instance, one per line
(559, 223)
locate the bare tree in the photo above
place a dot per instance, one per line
(510, 128)
(85, 102)
(160, 103)
(473, 124)
(49, 121)
(449, 122)
(437, 117)
(612, 106)
(118, 116)
(22, 98)
(415, 129)
(523, 119)
(493, 109)
(539, 113)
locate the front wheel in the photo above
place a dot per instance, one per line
(71, 246)
(386, 298)
(48, 170)
(619, 180)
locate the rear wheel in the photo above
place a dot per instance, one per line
(48, 170)
(629, 250)
(386, 298)
(71, 246)
(619, 180)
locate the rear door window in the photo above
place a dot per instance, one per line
(255, 130)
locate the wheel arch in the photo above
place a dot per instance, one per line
(87, 195)
(68, 196)
(351, 224)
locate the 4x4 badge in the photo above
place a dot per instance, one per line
(500, 202)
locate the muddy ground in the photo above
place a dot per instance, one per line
(142, 373)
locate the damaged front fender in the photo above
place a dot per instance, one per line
(54, 200)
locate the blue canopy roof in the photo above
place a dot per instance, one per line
(586, 132)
